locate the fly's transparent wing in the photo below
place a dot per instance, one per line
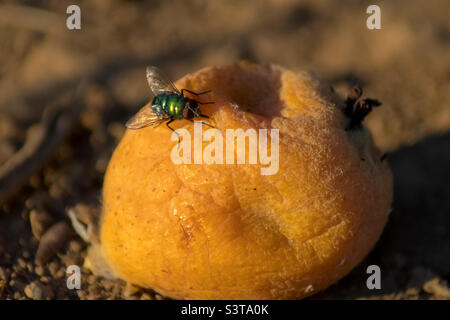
(145, 118)
(158, 82)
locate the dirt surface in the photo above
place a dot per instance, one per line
(91, 80)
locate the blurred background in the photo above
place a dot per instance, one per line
(65, 95)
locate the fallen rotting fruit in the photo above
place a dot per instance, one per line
(227, 231)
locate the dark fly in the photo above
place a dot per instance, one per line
(168, 104)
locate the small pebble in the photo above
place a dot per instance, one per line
(438, 288)
(53, 267)
(146, 296)
(412, 291)
(61, 273)
(4, 274)
(17, 285)
(130, 290)
(2, 287)
(54, 239)
(39, 270)
(37, 291)
(107, 284)
(75, 246)
(22, 264)
(39, 221)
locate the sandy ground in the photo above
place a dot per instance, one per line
(406, 65)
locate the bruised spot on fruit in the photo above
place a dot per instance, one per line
(224, 231)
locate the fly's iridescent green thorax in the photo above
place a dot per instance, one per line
(171, 103)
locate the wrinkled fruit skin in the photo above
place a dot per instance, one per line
(238, 234)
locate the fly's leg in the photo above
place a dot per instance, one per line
(195, 93)
(167, 124)
(206, 124)
(207, 117)
(193, 111)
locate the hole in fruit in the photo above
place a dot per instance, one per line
(254, 90)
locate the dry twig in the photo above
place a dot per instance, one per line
(41, 140)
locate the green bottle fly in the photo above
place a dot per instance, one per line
(168, 104)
